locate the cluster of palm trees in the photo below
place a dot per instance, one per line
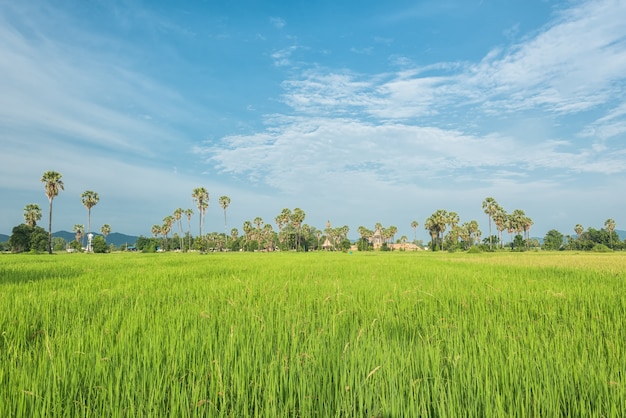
(380, 234)
(609, 225)
(200, 196)
(293, 232)
(53, 184)
(514, 222)
(437, 224)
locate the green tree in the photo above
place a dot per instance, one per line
(99, 245)
(58, 244)
(89, 199)
(52, 184)
(19, 240)
(553, 240)
(32, 214)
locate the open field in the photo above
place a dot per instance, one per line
(313, 335)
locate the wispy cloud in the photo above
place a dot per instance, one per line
(277, 22)
(282, 57)
(347, 124)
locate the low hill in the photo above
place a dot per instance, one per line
(115, 238)
(4, 238)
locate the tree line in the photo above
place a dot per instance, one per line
(292, 233)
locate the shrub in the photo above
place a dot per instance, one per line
(601, 248)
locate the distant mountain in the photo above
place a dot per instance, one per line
(114, 238)
(621, 234)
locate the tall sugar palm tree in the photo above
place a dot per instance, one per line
(414, 225)
(168, 222)
(32, 213)
(490, 206)
(431, 227)
(500, 218)
(78, 230)
(89, 199)
(105, 230)
(297, 217)
(201, 197)
(453, 221)
(579, 231)
(52, 183)
(178, 215)
(189, 214)
(258, 221)
(247, 232)
(224, 203)
(609, 224)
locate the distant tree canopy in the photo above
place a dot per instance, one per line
(26, 238)
(553, 240)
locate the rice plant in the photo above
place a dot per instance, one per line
(313, 335)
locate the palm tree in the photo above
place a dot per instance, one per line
(609, 224)
(258, 221)
(490, 206)
(414, 225)
(297, 217)
(105, 230)
(201, 197)
(178, 215)
(247, 231)
(500, 218)
(189, 213)
(168, 222)
(472, 229)
(579, 230)
(32, 213)
(430, 226)
(437, 223)
(527, 223)
(268, 234)
(79, 231)
(224, 203)
(453, 220)
(234, 234)
(89, 199)
(53, 184)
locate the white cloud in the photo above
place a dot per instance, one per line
(277, 22)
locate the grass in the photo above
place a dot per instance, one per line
(313, 335)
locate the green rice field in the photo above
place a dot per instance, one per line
(313, 335)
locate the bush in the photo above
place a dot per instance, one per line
(474, 250)
(601, 248)
(99, 245)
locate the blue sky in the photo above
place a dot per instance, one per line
(356, 112)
